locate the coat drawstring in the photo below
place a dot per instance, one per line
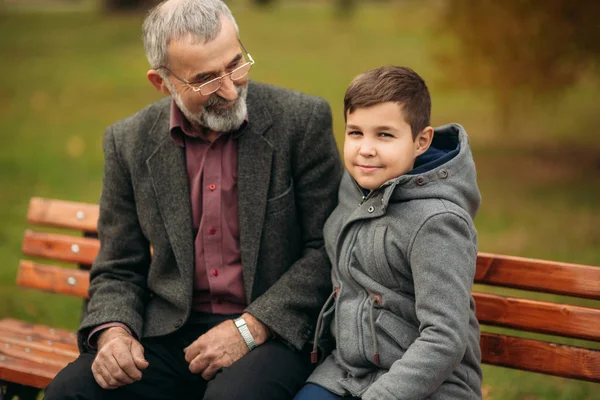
(314, 357)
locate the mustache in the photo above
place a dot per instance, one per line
(216, 100)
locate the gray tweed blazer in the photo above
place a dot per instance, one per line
(288, 175)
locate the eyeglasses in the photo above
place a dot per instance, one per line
(206, 88)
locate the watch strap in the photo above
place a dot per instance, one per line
(242, 327)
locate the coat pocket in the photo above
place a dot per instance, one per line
(394, 337)
(383, 272)
(281, 201)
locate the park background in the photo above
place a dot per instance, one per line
(521, 76)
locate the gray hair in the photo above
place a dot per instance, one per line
(174, 19)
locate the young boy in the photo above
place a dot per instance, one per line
(403, 249)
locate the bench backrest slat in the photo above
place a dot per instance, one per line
(63, 214)
(538, 316)
(60, 247)
(538, 275)
(537, 356)
(54, 279)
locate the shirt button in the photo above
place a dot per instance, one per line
(215, 272)
(212, 187)
(212, 231)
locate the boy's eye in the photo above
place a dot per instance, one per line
(386, 135)
(354, 133)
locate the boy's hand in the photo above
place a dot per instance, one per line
(120, 359)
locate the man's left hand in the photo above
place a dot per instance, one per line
(222, 346)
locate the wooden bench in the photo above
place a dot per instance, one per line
(31, 355)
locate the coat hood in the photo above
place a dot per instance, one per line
(445, 171)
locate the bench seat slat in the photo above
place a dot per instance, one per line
(59, 247)
(538, 316)
(26, 372)
(36, 342)
(538, 275)
(536, 356)
(63, 214)
(34, 354)
(42, 331)
(53, 279)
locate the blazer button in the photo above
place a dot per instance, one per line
(178, 323)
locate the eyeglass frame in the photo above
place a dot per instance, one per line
(219, 78)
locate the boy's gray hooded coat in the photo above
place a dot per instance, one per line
(403, 260)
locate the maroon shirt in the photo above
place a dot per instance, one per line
(212, 175)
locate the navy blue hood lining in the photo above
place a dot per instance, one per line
(444, 148)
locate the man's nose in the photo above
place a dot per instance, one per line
(228, 90)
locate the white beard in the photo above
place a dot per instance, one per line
(215, 119)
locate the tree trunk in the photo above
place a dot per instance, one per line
(128, 5)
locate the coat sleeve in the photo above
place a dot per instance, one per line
(442, 258)
(290, 306)
(118, 276)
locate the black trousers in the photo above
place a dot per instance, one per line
(270, 371)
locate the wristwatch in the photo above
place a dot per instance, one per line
(240, 323)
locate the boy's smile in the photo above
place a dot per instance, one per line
(379, 145)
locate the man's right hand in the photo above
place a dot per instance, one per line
(120, 359)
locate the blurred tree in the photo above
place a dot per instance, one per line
(128, 5)
(264, 3)
(520, 47)
(345, 8)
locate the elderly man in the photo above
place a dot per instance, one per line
(229, 181)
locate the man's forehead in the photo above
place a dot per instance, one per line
(190, 52)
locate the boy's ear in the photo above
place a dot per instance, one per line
(157, 81)
(423, 140)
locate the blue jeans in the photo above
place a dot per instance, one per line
(310, 391)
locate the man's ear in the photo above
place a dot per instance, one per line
(157, 81)
(423, 140)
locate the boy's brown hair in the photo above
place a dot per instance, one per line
(400, 85)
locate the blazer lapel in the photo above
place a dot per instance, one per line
(167, 168)
(255, 155)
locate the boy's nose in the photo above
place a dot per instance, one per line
(367, 151)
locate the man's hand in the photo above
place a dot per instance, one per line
(120, 359)
(222, 346)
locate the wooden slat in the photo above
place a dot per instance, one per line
(63, 214)
(26, 372)
(538, 316)
(536, 356)
(34, 341)
(59, 247)
(538, 275)
(43, 331)
(53, 279)
(34, 354)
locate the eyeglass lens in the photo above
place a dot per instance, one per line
(235, 75)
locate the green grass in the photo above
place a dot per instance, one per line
(67, 76)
